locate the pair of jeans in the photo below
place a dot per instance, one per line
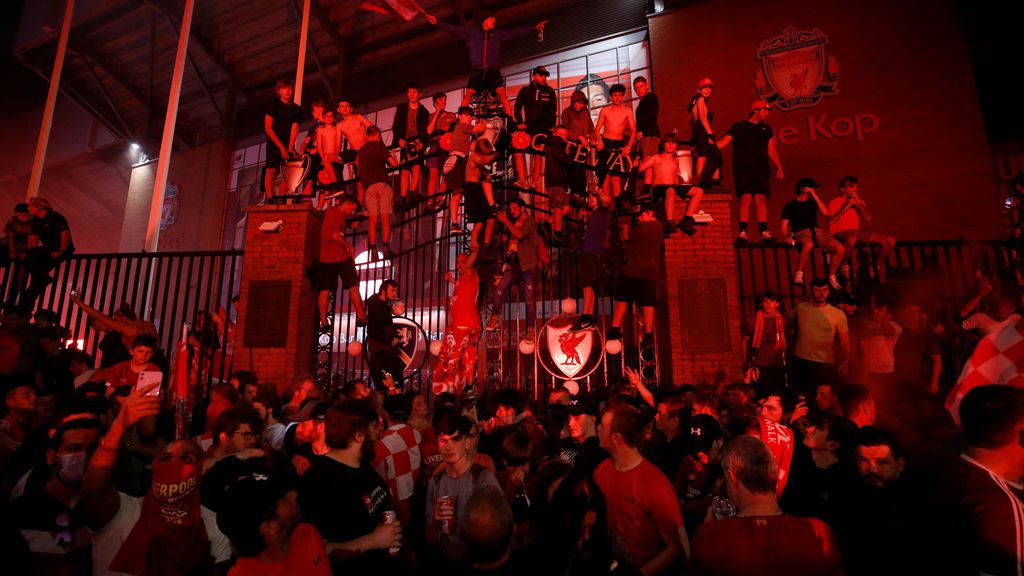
(515, 275)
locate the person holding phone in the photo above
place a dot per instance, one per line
(128, 373)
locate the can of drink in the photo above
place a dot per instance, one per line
(390, 518)
(447, 505)
(723, 508)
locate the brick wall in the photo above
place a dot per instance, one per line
(709, 254)
(280, 256)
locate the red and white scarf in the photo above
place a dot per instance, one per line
(780, 331)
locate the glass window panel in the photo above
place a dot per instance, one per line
(515, 82)
(385, 118)
(637, 55)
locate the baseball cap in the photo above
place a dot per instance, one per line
(759, 104)
(807, 183)
(250, 499)
(704, 432)
(542, 71)
(582, 404)
(312, 409)
(705, 83)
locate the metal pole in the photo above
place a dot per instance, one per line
(51, 103)
(167, 142)
(301, 66)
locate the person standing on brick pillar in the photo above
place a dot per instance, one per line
(281, 125)
(381, 341)
(818, 325)
(755, 155)
(703, 136)
(638, 280)
(337, 259)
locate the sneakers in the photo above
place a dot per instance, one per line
(374, 255)
(493, 323)
(688, 226)
(834, 282)
(456, 229)
(742, 238)
(614, 333)
(584, 323)
(766, 236)
(798, 278)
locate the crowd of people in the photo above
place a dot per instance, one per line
(835, 454)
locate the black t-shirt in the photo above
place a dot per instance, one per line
(911, 355)
(647, 115)
(284, 116)
(750, 148)
(643, 253)
(48, 229)
(801, 215)
(372, 161)
(344, 503)
(381, 325)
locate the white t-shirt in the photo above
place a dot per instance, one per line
(107, 542)
(274, 434)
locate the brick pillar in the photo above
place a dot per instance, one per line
(277, 312)
(702, 297)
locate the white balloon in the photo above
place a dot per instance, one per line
(613, 346)
(398, 308)
(435, 347)
(527, 346)
(572, 386)
(355, 348)
(569, 306)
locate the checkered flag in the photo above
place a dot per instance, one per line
(998, 359)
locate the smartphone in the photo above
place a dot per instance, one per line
(148, 377)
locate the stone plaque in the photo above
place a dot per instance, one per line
(267, 314)
(705, 315)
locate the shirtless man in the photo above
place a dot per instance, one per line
(666, 184)
(441, 121)
(328, 145)
(613, 123)
(353, 128)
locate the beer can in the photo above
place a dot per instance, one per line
(447, 503)
(390, 518)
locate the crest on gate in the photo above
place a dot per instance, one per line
(796, 70)
(569, 355)
(412, 344)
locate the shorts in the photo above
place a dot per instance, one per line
(753, 184)
(641, 291)
(590, 268)
(348, 156)
(701, 146)
(454, 178)
(820, 238)
(862, 236)
(475, 203)
(436, 156)
(604, 156)
(274, 159)
(485, 79)
(558, 197)
(660, 191)
(329, 272)
(379, 199)
(649, 146)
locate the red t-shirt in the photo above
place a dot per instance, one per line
(848, 220)
(334, 221)
(641, 506)
(464, 310)
(766, 545)
(307, 556)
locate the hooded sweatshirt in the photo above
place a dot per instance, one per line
(578, 123)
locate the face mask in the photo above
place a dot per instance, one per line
(72, 468)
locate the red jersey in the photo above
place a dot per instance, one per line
(780, 545)
(463, 309)
(332, 252)
(641, 506)
(307, 556)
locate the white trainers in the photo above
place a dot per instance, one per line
(798, 278)
(834, 282)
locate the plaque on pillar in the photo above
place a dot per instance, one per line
(704, 315)
(267, 313)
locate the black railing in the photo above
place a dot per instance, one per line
(167, 288)
(939, 275)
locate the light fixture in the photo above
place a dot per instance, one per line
(134, 146)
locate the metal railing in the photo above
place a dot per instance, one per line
(167, 288)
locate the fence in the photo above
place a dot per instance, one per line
(167, 288)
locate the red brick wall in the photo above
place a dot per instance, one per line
(709, 254)
(281, 256)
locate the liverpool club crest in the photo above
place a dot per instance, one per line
(569, 355)
(796, 71)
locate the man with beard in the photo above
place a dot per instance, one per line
(165, 532)
(261, 516)
(46, 505)
(818, 325)
(345, 499)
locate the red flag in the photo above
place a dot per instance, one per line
(404, 9)
(182, 400)
(998, 359)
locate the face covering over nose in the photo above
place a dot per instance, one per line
(71, 468)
